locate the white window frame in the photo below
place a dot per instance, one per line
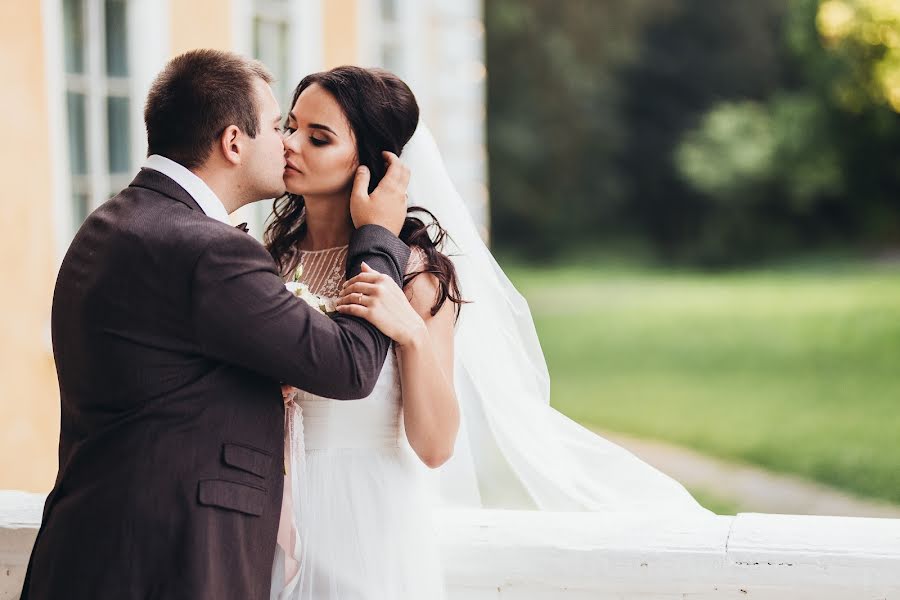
(148, 49)
(436, 68)
(408, 31)
(305, 24)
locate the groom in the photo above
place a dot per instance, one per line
(172, 332)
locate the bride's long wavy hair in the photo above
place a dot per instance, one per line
(383, 114)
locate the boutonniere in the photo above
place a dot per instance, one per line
(301, 290)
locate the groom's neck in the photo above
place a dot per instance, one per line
(224, 185)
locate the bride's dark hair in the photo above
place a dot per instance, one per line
(383, 114)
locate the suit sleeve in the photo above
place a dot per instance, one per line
(243, 315)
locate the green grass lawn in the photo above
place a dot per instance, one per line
(794, 370)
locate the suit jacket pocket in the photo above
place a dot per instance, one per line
(247, 459)
(232, 496)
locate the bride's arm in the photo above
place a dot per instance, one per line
(430, 408)
(424, 345)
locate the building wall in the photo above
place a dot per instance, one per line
(340, 23)
(29, 249)
(29, 405)
(200, 24)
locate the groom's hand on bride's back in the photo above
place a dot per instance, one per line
(386, 205)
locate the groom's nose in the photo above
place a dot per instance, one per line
(288, 142)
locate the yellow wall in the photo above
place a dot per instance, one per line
(29, 395)
(340, 33)
(29, 401)
(200, 24)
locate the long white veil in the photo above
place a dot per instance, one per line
(514, 450)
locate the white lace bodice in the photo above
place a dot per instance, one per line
(324, 270)
(370, 422)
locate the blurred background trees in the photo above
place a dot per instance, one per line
(701, 132)
(759, 139)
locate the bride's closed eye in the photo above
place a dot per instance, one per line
(289, 130)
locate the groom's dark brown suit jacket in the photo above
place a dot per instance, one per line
(172, 332)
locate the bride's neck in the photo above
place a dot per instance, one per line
(328, 223)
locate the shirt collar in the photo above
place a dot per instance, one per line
(193, 185)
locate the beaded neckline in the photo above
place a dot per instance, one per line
(323, 250)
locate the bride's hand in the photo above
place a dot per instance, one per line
(379, 300)
(386, 205)
(288, 393)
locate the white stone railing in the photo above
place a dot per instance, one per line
(520, 555)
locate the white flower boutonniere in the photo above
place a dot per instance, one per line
(301, 290)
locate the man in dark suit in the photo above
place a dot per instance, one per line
(172, 333)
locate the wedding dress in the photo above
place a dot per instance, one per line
(357, 496)
(362, 498)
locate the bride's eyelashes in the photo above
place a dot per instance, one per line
(289, 131)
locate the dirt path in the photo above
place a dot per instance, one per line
(750, 488)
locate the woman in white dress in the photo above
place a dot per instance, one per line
(355, 478)
(356, 520)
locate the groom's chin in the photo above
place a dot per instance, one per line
(277, 193)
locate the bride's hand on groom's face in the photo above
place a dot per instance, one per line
(379, 300)
(386, 205)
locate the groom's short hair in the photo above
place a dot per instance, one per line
(195, 98)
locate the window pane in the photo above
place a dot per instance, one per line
(283, 87)
(389, 10)
(75, 113)
(116, 38)
(270, 45)
(118, 134)
(73, 35)
(81, 207)
(391, 57)
(259, 37)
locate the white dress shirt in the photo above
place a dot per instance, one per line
(192, 184)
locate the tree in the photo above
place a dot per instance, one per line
(716, 132)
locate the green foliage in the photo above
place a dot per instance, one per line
(732, 152)
(865, 34)
(718, 132)
(554, 121)
(741, 150)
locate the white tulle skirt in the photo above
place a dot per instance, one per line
(364, 523)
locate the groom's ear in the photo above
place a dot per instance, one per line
(230, 144)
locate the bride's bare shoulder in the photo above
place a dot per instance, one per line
(422, 290)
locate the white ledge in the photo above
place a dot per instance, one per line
(523, 555)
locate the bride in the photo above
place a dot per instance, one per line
(355, 519)
(358, 495)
